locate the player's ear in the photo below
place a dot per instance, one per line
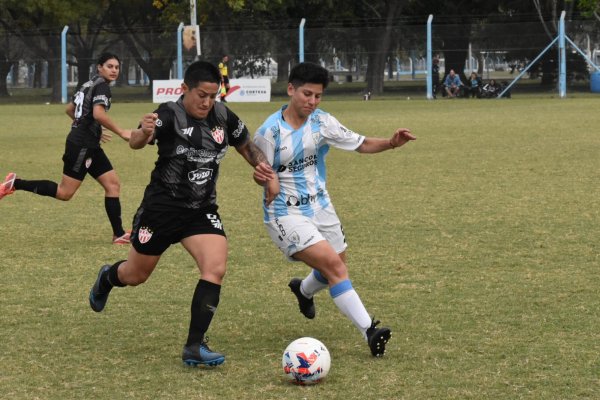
(184, 87)
(290, 89)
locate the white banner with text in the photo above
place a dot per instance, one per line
(240, 90)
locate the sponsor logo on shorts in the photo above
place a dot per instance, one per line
(144, 235)
(159, 122)
(215, 221)
(88, 162)
(280, 227)
(308, 241)
(200, 176)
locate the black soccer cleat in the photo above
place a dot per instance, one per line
(307, 306)
(200, 354)
(378, 338)
(98, 297)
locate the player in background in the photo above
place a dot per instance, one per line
(83, 154)
(301, 220)
(180, 204)
(223, 68)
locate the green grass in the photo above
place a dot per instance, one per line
(477, 244)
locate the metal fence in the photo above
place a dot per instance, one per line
(494, 50)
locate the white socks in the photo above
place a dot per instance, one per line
(347, 300)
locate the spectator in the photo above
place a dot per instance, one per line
(452, 84)
(223, 68)
(435, 76)
(491, 89)
(474, 85)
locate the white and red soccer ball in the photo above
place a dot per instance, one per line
(306, 361)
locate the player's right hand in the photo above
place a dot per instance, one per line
(148, 123)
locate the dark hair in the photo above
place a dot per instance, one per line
(201, 71)
(308, 73)
(104, 57)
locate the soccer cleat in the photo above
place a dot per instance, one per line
(8, 186)
(377, 338)
(307, 306)
(200, 354)
(124, 239)
(98, 297)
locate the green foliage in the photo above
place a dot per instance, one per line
(477, 244)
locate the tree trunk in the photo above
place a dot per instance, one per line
(456, 50)
(5, 65)
(376, 58)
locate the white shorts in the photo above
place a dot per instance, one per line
(294, 233)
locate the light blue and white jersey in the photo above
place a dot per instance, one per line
(298, 157)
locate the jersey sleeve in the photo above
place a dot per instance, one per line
(237, 131)
(101, 95)
(337, 135)
(265, 145)
(164, 123)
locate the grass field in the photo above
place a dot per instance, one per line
(477, 244)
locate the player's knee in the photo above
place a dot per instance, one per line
(214, 273)
(137, 278)
(335, 270)
(64, 195)
(113, 188)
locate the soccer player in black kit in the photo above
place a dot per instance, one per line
(179, 204)
(83, 154)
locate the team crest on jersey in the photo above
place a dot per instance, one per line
(144, 235)
(218, 134)
(88, 162)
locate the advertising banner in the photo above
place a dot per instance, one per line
(240, 90)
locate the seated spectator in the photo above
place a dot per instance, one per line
(435, 76)
(452, 84)
(473, 86)
(490, 89)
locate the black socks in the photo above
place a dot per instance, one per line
(204, 306)
(43, 188)
(113, 210)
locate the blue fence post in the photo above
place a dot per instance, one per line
(63, 63)
(179, 52)
(562, 70)
(301, 40)
(429, 60)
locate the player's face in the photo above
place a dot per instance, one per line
(306, 98)
(109, 70)
(199, 100)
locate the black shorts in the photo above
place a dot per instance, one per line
(154, 231)
(79, 161)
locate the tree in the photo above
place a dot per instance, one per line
(37, 24)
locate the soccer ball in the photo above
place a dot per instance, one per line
(306, 361)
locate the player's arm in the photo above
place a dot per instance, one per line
(141, 136)
(263, 173)
(376, 145)
(103, 119)
(70, 110)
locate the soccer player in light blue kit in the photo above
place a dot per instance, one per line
(301, 220)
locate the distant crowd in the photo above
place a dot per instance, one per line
(452, 86)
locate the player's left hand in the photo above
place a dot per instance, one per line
(401, 136)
